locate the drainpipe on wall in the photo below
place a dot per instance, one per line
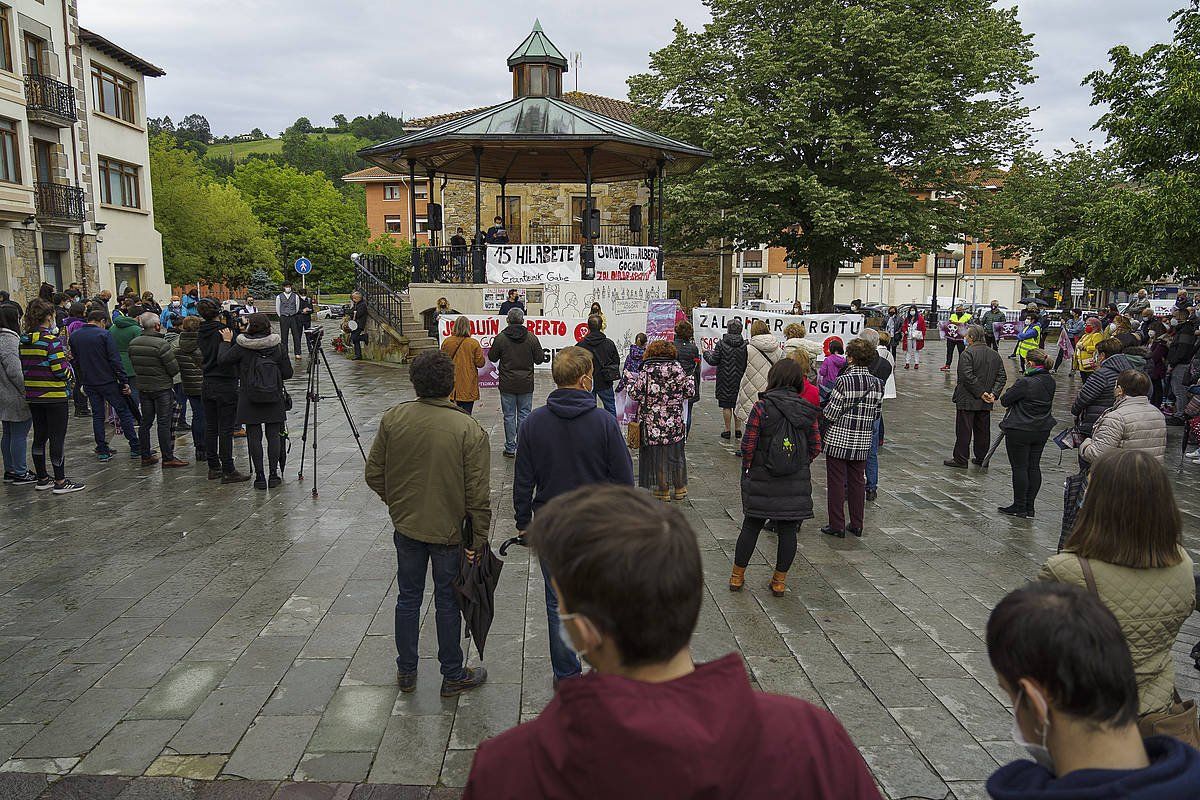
(75, 154)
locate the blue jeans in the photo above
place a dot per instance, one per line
(563, 662)
(198, 431)
(15, 443)
(608, 399)
(111, 393)
(873, 456)
(516, 408)
(411, 560)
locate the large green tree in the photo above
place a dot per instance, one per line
(1153, 122)
(209, 233)
(828, 118)
(1061, 214)
(317, 220)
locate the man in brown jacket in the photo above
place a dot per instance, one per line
(981, 378)
(430, 464)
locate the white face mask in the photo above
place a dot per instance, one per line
(565, 635)
(1038, 752)
(704, 304)
(287, 290)
(53, 330)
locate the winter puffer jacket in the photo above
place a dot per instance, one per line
(761, 353)
(1131, 424)
(191, 363)
(1096, 396)
(153, 362)
(688, 356)
(1150, 604)
(812, 348)
(13, 407)
(242, 354)
(124, 330)
(784, 497)
(729, 357)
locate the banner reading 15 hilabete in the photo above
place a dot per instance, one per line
(711, 324)
(553, 333)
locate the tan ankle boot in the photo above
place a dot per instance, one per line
(779, 584)
(738, 579)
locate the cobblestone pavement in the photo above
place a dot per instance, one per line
(161, 625)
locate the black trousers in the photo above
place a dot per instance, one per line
(951, 346)
(968, 425)
(290, 326)
(748, 540)
(1025, 455)
(157, 406)
(254, 443)
(49, 426)
(81, 399)
(220, 418)
(357, 338)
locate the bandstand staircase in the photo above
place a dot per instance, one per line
(384, 286)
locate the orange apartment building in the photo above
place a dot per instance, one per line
(387, 203)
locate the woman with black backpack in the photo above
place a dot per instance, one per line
(263, 403)
(780, 443)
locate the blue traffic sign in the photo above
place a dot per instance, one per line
(303, 266)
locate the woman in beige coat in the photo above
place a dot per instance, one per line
(1128, 534)
(762, 351)
(1131, 424)
(467, 355)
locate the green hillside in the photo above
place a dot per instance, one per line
(239, 150)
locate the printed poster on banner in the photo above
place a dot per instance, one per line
(553, 334)
(661, 317)
(624, 305)
(533, 263)
(494, 297)
(711, 323)
(622, 263)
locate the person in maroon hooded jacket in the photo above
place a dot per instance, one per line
(648, 722)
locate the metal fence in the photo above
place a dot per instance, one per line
(372, 276)
(540, 233)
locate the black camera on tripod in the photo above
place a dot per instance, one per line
(313, 336)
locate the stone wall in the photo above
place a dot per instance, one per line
(694, 274)
(547, 203)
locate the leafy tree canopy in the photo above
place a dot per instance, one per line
(209, 233)
(826, 118)
(318, 222)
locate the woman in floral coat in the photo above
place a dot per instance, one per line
(661, 391)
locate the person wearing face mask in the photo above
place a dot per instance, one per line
(648, 721)
(956, 334)
(47, 376)
(704, 302)
(1179, 357)
(990, 319)
(912, 337)
(545, 470)
(1061, 657)
(287, 307)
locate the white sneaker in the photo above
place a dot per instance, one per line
(1193, 453)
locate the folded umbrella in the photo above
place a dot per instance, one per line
(133, 407)
(475, 585)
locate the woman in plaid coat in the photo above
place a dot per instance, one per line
(853, 407)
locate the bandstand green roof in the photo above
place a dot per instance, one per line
(536, 139)
(537, 49)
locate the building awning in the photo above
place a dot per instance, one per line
(536, 139)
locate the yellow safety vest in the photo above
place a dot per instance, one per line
(1027, 346)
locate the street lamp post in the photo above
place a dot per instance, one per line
(958, 260)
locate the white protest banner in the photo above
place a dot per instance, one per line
(623, 304)
(533, 263)
(711, 323)
(622, 263)
(553, 334)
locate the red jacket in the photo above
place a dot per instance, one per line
(705, 735)
(920, 327)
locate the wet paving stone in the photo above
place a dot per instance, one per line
(253, 658)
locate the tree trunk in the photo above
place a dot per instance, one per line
(1067, 300)
(821, 277)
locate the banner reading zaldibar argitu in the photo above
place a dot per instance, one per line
(710, 325)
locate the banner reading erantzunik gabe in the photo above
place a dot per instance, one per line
(533, 263)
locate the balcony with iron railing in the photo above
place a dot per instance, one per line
(50, 101)
(556, 233)
(60, 202)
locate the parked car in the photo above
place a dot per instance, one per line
(875, 318)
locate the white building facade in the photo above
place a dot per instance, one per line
(50, 198)
(129, 248)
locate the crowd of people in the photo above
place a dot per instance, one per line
(1083, 652)
(143, 369)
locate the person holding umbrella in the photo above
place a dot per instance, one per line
(430, 463)
(1025, 429)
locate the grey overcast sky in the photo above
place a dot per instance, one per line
(263, 63)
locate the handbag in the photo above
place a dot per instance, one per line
(633, 435)
(1069, 439)
(1073, 490)
(1180, 721)
(918, 334)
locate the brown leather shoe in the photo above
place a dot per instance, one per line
(738, 579)
(779, 584)
(149, 461)
(175, 463)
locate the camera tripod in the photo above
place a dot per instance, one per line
(313, 398)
